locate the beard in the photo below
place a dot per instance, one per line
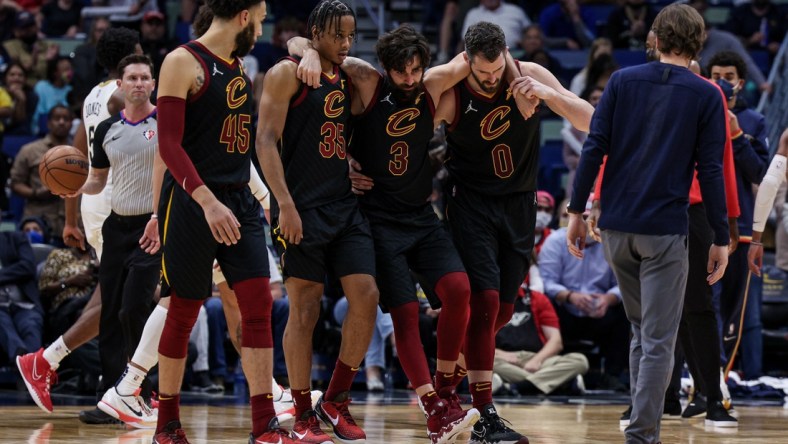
(244, 41)
(405, 95)
(489, 88)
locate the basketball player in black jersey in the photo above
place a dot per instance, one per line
(316, 222)
(205, 107)
(393, 125)
(492, 160)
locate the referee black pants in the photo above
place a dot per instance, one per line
(128, 277)
(698, 331)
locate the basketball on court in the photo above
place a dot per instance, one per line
(64, 169)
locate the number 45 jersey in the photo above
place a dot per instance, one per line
(391, 141)
(492, 149)
(313, 144)
(218, 135)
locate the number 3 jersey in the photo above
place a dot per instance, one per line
(313, 142)
(218, 135)
(391, 142)
(492, 149)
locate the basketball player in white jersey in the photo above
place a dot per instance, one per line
(38, 369)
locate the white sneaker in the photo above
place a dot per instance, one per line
(130, 409)
(285, 408)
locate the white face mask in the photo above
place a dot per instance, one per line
(543, 219)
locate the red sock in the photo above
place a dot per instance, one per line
(409, 347)
(481, 392)
(480, 338)
(443, 380)
(341, 380)
(262, 412)
(454, 292)
(504, 316)
(302, 399)
(459, 374)
(168, 410)
(428, 399)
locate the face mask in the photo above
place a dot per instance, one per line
(543, 219)
(35, 237)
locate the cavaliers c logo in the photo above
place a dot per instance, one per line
(498, 114)
(235, 95)
(402, 122)
(333, 107)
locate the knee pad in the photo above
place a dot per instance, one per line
(254, 303)
(181, 317)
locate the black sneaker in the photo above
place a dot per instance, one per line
(696, 407)
(492, 429)
(96, 416)
(624, 421)
(718, 416)
(672, 410)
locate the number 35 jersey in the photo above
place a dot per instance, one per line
(313, 142)
(492, 149)
(391, 141)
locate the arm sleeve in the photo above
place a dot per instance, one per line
(171, 113)
(595, 148)
(711, 141)
(98, 156)
(258, 188)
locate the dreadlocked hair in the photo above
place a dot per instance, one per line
(398, 47)
(325, 13)
(115, 44)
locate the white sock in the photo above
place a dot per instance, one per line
(56, 352)
(147, 353)
(131, 380)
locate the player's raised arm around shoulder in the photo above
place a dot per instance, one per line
(447, 109)
(439, 79)
(539, 82)
(181, 75)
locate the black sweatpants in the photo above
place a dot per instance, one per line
(128, 277)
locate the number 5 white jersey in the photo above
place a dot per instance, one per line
(97, 207)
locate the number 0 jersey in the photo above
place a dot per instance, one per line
(391, 141)
(218, 131)
(492, 149)
(313, 142)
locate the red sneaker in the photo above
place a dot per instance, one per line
(274, 435)
(38, 376)
(336, 415)
(172, 434)
(307, 429)
(446, 422)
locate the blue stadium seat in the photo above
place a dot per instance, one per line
(598, 15)
(551, 168)
(12, 144)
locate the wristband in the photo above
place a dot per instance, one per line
(154, 216)
(760, 244)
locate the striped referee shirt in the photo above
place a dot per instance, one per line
(129, 148)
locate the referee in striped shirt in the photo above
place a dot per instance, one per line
(130, 266)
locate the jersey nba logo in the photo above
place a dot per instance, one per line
(148, 134)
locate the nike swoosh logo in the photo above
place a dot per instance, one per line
(299, 435)
(115, 137)
(36, 376)
(278, 442)
(306, 392)
(136, 412)
(724, 338)
(334, 421)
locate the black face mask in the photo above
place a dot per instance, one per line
(29, 39)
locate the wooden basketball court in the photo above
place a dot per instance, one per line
(568, 421)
